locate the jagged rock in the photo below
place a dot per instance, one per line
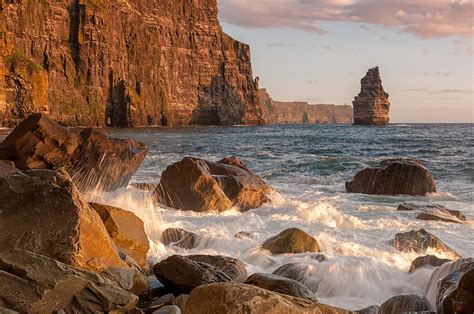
(234, 297)
(434, 212)
(242, 235)
(291, 240)
(126, 230)
(281, 285)
(91, 65)
(200, 185)
(183, 274)
(180, 237)
(64, 226)
(371, 106)
(92, 159)
(419, 241)
(232, 267)
(427, 260)
(405, 304)
(393, 177)
(37, 284)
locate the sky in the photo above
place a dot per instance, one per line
(318, 50)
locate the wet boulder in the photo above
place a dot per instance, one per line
(200, 185)
(405, 304)
(37, 284)
(373, 309)
(281, 285)
(92, 159)
(434, 212)
(291, 240)
(419, 241)
(427, 260)
(232, 267)
(182, 274)
(393, 177)
(7, 167)
(294, 271)
(232, 297)
(126, 230)
(180, 238)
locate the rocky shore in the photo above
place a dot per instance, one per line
(58, 252)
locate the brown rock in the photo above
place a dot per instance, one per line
(371, 106)
(7, 167)
(393, 177)
(293, 271)
(291, 241)
(199, 185)
(180, 237)
(405, 304)
(434, 212)
(232, 267)
(236, 298)
(183, 275)
(92, 64)
(427, 260)
(281, 285)
(126, 230)
(65, 227)
(91, 158)
(36, 284)
(418, 241)
(148, 187)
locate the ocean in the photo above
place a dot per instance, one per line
(308, 166)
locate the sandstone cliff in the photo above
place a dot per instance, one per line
(123, 63)
(371, 106)
(277, 112)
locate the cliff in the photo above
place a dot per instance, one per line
(123, 63)
(277, 112)
(371, 106)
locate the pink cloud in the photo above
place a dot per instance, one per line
(424, 18)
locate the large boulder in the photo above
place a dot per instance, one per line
(232, 267)
(410, 303)
(236, 298)
(281, 285)
(295, 271)
(91, 158)
(43, 212)
(434, 212)
(37, 284)
(182, 274)
(126, 230)
(419, 241)
(291, 240)
(180, 238)
(393, 177)
(200, 185)
(427, 260)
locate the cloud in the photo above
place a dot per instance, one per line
(312, 81)
(424, 18)
(282, 45)
(442, 91)
(328, 48)
(443, 74)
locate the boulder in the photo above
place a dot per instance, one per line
(232, 297)
(7, 167)
(373, 309)
(180, 238)
(281, 285)
(200, 185)
(291, 240)
(92, 159)
(232, 267)
(393, 177)
(64, 226)
(37, 284)
(183, 275)
(126, 230)
(427, 260)
(405, 304)
(293, 271)
(419, 241)
(434, 212)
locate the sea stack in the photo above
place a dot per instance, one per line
(371, 106)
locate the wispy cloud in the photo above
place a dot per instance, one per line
(312, 81)
(424, 18)
(282, 45)
(443, 74)
(441, 91)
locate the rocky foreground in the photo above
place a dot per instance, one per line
(59, 253)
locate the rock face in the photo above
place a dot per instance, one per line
(409, 303)
(291, 240)
(240, 298)
(393, 177)
(279, 112)
(116, 63)
(92, 159)
(427, 260)
(371, 106)
(420, 241)
(31, 283)
(200, 185)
